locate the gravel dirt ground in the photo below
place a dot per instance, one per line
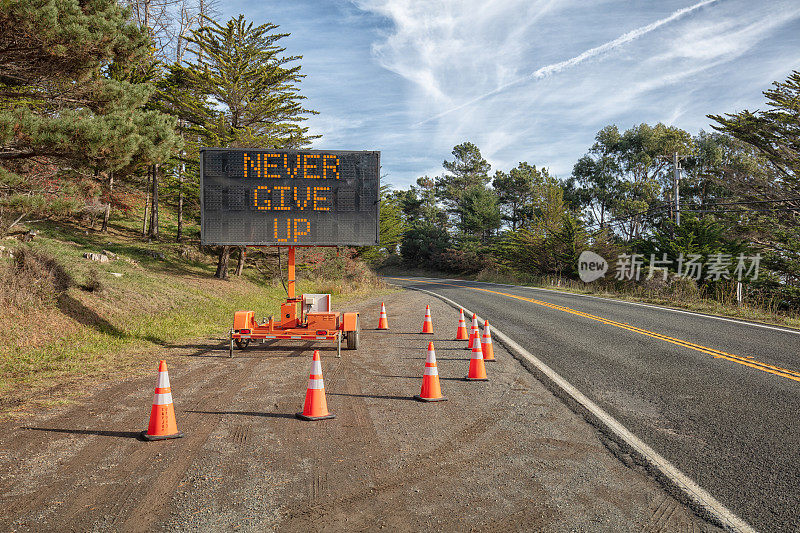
(497, 456)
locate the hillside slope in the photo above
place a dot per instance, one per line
(67, 321)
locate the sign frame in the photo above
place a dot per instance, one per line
(204, 240)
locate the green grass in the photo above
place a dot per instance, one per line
(119, 330)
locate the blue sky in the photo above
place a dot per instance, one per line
(525, 80)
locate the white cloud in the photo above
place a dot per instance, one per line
(495, 73)
(446, 47)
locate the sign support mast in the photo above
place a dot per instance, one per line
(291, 272)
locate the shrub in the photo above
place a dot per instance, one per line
(93, 283)
(33, 279)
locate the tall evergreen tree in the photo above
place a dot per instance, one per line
(239, 90)
(762, 165)
(515, 191)
(467, 169)
(478, 212)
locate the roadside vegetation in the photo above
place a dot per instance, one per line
(739, 198)
(104, 106)
(66, 320)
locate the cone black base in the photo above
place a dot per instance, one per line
(301, 416)
(145, 436)
(421, 399)
(476, 379)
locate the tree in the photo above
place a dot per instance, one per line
(239, 91)
(592, 186)
(761, 169)
(66, 106)
(391, 227)
(467, 169)
(775, 132)
(478, 212)
(422, 245)
(624, 174)
(704, 236)
(515, 191)
(553, 239)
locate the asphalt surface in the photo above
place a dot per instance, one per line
(731, 424)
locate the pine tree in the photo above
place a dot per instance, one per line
(62, 105)
(467, 169)
(239, 90)
(515, 191)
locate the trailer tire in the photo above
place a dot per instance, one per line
(354, 337)
(242, 343)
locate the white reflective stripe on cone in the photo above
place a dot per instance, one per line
(162, 399)
(477, 354)
(431, 371)
(316, 368)
(163, 380)
(431, 357)
(316, 384)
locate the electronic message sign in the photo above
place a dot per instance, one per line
(289, 197)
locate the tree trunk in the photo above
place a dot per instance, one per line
(153, 233)
(242, 258)
(146, 202)
(222, 264)
(107, 212)
(180, 203)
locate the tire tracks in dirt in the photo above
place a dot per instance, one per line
(157, 468)
(152, 505)
(92, 452)
(319, 513)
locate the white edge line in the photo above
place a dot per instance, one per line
(699, 498)
(614, 300)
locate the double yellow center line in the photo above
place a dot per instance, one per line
(739, 359)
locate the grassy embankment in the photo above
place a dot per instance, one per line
(681, 296)
(110, 320)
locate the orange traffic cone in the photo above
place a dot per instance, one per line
(162, 415)
(315, 408)
(477, 370)
(461, 333)
(383, 322)
(474, 334)
(427, 326)
(431, 391)
(486, 343)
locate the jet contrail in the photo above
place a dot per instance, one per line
(554, 68)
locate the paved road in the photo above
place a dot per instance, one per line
(718, 398)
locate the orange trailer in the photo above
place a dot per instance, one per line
(314, 321)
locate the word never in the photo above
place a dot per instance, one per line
(276, 166)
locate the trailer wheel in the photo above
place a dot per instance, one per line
(353, 337)
(242, 343)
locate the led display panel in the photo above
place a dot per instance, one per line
(289, 197)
